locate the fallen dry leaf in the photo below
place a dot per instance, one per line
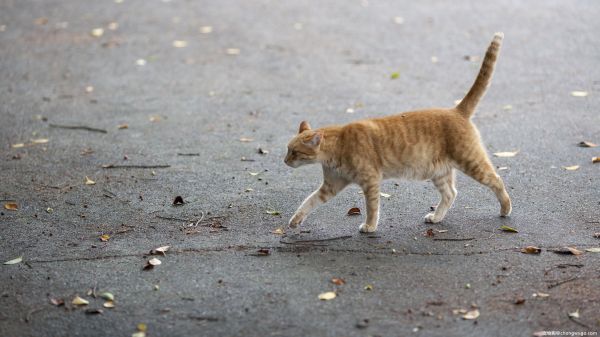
(94, 311)
(327, 296)
(79, 301)
(540, 295)
(507, 107)
(160, 250)
(508, 229)
(89, 89)
(40, 141)
(155, 119)
(369, 287)
(394, 76)
(531, 250)
(206, 29)
(568, 251)
(254, 173)
(180, 44)
(232, 51)
(246, 140)
(354, 211)
(593, 250)
(278, 231)
(272, 212)
(122, 126)
(519, 300)
(338, 281)
(104, 237)
(579, 93)
(178, 200)
(151, 263)
(57, 301)
(429, 233)
(473, 314)
(571, 168)
(262, 151)
(109, 304)
(441, 230)
(14, 261)
(89, 181)
(385, 195)
(574, 314)
(506, 154)
(11, 206)
(595, 160)
(107, 296)
(97, 32)
(586, 144)
(263, 252)
(113, 26)
(18, 145)
(596, 235)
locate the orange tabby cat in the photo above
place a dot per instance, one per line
(427, 144)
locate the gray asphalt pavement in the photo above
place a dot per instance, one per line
(189, 94)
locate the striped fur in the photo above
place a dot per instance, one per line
(420, 145)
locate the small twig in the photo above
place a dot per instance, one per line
(550, 286)
(204, 318)
(116, 166)
(77, 127)
(453, 239)
(188, 154)
(108, 193)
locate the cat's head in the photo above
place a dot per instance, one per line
(304, 147)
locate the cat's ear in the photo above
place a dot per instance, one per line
(303, 126)
(314, 140)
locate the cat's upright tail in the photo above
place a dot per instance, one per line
(467, 106)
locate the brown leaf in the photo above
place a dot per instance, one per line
(94, 311)
(586, 144)
(429, 233)
(354, 211)
(178, 201)
(519, 300)
(122, 126)
(595, 160)
(57, 301)
(11, 206)
(568, 251)
(338, 281)
(104, 237)
(263, 252)
(531, 250)
(597, 235)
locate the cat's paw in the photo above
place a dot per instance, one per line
(296, 220)
(505, 211)
(364, 228)
(430, 218)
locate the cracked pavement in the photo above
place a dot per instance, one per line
(297, 60)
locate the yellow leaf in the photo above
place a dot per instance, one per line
(107, 296)
(508, 229)
(206, 29)
(79, 301)
(369, 287)
(506, 154)
(89, 181)
(97, 32)
(104, 237)
(571, 168)
(142, 327)
(180, 44)
(17, 146)
(253, 173)
(531, 250)
(579, 93)
(278, 231)
(109, 304)
(327, 296)
(11, 206)
(14, 261)
(593, 250)
(270, 212)
(40, 141)
(473, 314)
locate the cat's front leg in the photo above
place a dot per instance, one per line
(330, 187)
(371, 192)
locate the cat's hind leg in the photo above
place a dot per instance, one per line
(479, 167)
(445, 185)
(371, 191)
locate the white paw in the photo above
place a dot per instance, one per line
(296, 220)
(430, 218)
(364, 228)
(506, 212)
